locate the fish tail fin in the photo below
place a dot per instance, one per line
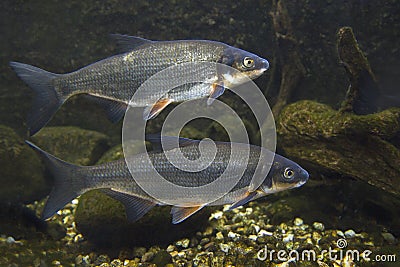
(67, 183)
(47, 100)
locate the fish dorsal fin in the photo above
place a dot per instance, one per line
(127, 43)
(180, 214)
(151, 112)
(115, 110)
(169, 142)
(244, 200)
(135, 207)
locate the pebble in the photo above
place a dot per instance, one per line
(350, 233)
(340, 233)
(224, 247)
(256, 227)
(253, 237)
(389, 238)
(216, 215)
(148, 256)
(219, 236)
(318, 226)
(233, 235)
(298, 221)
(265, 233)
(170, 248)
(288, 238)
(183, 243)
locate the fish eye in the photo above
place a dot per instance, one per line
(248, 62)
(288, 173)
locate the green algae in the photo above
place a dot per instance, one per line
(22, 174)
(72, 144)
(347, 144)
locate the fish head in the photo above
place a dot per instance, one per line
(248, 65)
(283, 175)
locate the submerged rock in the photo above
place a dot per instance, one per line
(343, 143)
(21, 173)
(102, 220)
(72, 144)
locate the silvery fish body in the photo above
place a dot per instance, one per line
(114, 80)
(115, 179)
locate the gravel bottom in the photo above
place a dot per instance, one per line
(241, 237)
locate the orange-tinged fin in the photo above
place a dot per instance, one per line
(152, 111)
(216, 90)
(249, 196)
(135, 207)
(46, 100)
(180, 214)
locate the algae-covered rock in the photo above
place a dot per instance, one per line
(346, 144)
(102, 220)
(114, 153)
(72, 144)
(21, 172)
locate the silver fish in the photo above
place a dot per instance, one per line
(114, 80)
(115, 180)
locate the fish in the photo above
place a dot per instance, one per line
(115, 180)
(113, 81)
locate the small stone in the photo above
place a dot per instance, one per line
(232, 235)
(389, 238)
(147, 257)
(340, 233)
(318, 226)
(204, 241)
(10, 240)
(219, 236)
(139, 252)
(216, 215)
(265, 233)
(208, 231)
(256, 227)
(224, 247)
(184, 243)
(170, 248)
(253, 237)
(116, 263)
(56, 262)
(298, 221)
(288, 238)
(350, 233)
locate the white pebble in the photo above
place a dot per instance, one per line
(350, 233)
(288, 238)
(253, 237)
(298, 221)
(216, 215)
(256, 227)
(10, 240)
(318, 226)
(224, 247)
(263, 233)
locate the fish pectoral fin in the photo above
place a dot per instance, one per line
(180, 214)
(126, 43)
(135, 207)
(217, 89)
(115, 110)
(168, 142)
(152, 111)
(243, 201)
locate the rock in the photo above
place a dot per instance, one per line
(318, 226)
(102, 220)
(343, 144)
(72, 144)
(389, 238)
(162, 258)
(114, 153)
(350, 233)
(21, 173)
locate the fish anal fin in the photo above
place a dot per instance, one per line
(217, 90)
(247, 198)
(180, 214)
(115, 110)
(152, 111)
(126, 43)
(135, 207)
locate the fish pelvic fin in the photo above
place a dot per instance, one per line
(249, 196)
(67, 184)
(151, 112)
(179, 214)
(46, 101)
(135, 207)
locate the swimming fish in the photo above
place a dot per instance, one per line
(114, 80)
(115, 180)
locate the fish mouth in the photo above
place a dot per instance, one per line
(252, 74)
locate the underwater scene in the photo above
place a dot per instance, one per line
(199, 133)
